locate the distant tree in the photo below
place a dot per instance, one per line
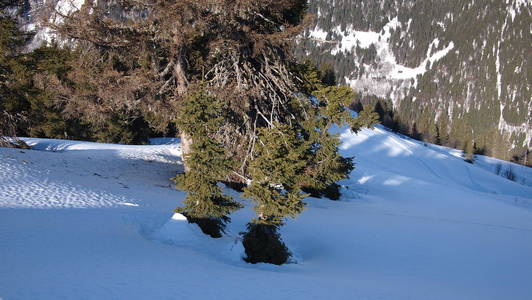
(328, 75)
(509, 174)
(443, 129)
(12, 75)
(27, 83)
(414, 132)
(357, 106)
(498, 168)
(469, 151)
(523, 158)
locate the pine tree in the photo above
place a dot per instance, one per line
(328, 107)
(325, 166)
(48, 67)
(278, 164)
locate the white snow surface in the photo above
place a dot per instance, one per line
(83, 220)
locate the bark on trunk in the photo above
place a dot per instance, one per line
(181, 78)
(186, 143)
(182, 83)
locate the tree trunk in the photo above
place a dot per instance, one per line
(180, 76)
(181, 88)
(186, 143)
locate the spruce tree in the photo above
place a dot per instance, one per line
(328, 107)
(443, 129)
(290, 159)
(278, 164)
(247, 111)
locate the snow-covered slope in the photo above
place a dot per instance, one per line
(94, 221)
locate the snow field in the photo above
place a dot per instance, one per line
(94, 221)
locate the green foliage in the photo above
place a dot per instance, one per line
(26, 87)
(325, 166)
(119, 128)
(13, 85)
(200, 114)
(333, 103)
(304, 157)
(367, 117)
(276, 170)
(36, 88)
(32, 87)
(47, 66)
(208, 163)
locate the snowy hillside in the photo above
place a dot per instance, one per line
(81, 220)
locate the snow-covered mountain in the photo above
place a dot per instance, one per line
(84, 220)
(459, 67)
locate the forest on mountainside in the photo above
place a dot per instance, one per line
(479, 93)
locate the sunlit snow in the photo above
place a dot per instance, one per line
(86, 220)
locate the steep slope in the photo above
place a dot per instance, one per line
(459, 67)
(86, 220)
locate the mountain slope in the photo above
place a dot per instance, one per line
(86, 220)
(455, 67)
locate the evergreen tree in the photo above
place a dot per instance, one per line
(48, 66)
(223, 72)
(291, 159)
(27, 83)
(279, 161)
(443, 129)
(278, 164)
(325, 166)
(12, 75)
